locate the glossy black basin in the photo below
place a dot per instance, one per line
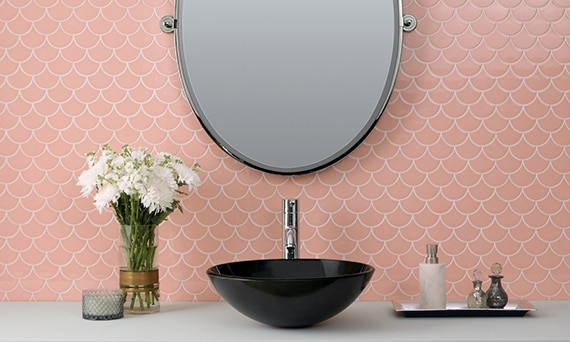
(290, 293)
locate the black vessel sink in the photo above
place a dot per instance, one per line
(290, 293)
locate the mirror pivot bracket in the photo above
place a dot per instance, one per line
(168, 24)
(409, 23)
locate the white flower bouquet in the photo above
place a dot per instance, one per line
(142, 191)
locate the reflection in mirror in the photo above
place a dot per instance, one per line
(288, 86)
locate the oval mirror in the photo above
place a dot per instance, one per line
(288, 86)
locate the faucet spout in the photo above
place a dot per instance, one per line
(290, 229)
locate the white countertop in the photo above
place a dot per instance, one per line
(204, 321)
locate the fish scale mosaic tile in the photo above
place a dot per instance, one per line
(472, 152)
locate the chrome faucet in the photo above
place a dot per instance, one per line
(290, 229)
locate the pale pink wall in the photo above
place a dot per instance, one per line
(472, 152)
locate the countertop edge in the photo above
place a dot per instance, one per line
(217, 321)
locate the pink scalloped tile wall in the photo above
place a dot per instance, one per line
(472, 152)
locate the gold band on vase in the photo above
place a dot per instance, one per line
(136, 279)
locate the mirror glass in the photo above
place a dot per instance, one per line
(288, 86)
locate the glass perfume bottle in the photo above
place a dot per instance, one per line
(477, 299)
(497, 298)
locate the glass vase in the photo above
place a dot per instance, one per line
(138, 274)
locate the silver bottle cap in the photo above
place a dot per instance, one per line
(431, 257)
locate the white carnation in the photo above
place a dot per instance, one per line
(107, 194)
(89, 179)
(187, 175)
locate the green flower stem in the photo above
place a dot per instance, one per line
(138, 244)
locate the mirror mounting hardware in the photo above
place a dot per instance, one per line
(168, 24)
(409, 23)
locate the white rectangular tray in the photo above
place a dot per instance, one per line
(460, 309)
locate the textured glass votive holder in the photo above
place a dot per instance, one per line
(102, 304)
